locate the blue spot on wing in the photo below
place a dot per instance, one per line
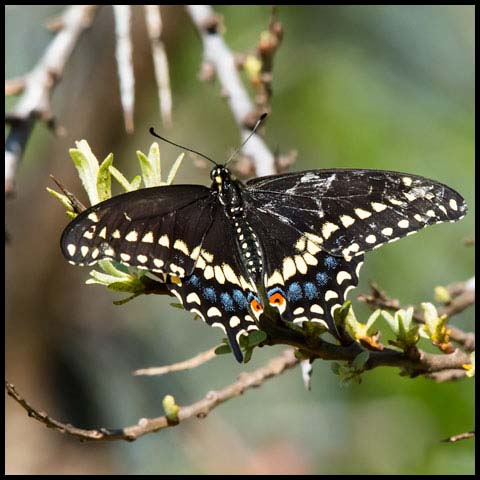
(310, 290)
(240, 299)
(330, 262)
(322, 278)
(227, 302)
(294, 292)
(194, 280)
(209, 294)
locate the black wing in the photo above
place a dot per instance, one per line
(301, 280)
(218, 290)
(159, 229)
(354, 211)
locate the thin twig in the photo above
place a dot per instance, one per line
(460, 436)
(200, 409)
(34, 104)
(123, 53)
(154, 27)
(193, 362)
(217, 53)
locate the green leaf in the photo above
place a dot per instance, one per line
(256, 337)
(173, 170)
(87, 166)
(177, 305)
(248, 355)
(360, 360)
(136, 182)
(63, 198)
(223, 350)
(104, 179)
(118, 176)
(124, 287)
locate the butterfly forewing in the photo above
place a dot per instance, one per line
(355, 211)
(159, 229)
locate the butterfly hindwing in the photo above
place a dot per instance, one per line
(301, 280)
(218, 290)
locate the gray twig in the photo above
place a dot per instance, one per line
(38, 86)
(123, 53)
(154, 27)
(217, 53)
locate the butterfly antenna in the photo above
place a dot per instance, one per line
(259, 121)
(152, 132)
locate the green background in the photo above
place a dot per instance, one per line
(387, 87)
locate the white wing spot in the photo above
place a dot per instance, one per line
(453, 204)
(387, 231)
(395, 201)
(214, 312)
(219, 276)
(418, 218)
(378, 207)
(443, 209)
(298, 311)
(301, 265)
(342, 276)
(371, 239)
(193, 298)
(234, 322)
(95, 253)
(88, 234)
(164, 241)
(116, 234)
(362, 214)
(431, 213)
(403, 223)
(347, 220)
(125, 257)
(93, 217)
(289, 268)
(142, 258)
(208, 272)
(182, 246)
(158, 263)
(328, 228)
(148, 237)
(407, 181)
(132, 236)
(315, 308)
(84, 250)
(71, 248)
(103, 233)
(330, 294)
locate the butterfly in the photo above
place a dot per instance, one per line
(291, 243)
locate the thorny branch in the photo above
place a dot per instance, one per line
(37, 87)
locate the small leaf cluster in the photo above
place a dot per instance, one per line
(247, 344)
(96, 178)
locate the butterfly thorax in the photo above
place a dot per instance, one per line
(230, 196)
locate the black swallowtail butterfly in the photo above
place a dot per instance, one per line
(292, 242)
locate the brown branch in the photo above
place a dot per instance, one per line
(219, 56)
(34, 104)
(200, 409)
(193, 362)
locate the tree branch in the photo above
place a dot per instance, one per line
(200, 409)
(217, 54)
(193, 362)
(38, 87)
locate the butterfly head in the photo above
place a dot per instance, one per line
(220, 176)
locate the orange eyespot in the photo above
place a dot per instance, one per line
(277, 299)
(256, 307)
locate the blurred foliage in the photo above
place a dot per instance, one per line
(389, 87)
